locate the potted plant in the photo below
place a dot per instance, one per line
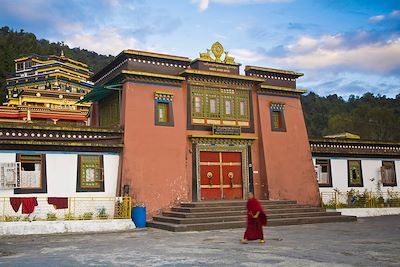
(102, 214)
(87, 216)
(69, 217)
(51, 216)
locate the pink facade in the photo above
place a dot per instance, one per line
(182, 158)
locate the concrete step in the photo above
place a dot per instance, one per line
(234, 208)
(241, 224)
(237, 212)
(241, 217)
(232, 203)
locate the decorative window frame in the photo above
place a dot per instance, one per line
(395, 177)
(79, 187)
(277, 107)
(163, 97)
(221, 95)
(329, 184)
(361, 184)
(43, 177)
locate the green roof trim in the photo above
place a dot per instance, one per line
(57, 143)
(100, 92)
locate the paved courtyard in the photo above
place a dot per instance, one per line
(368, 242)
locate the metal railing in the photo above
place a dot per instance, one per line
(356, 199)
(79, 208)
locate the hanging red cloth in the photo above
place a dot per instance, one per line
(28, 204)
(15, 203)
(58, 202)
(254, 228)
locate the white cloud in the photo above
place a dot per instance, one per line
(395, 13)
(247, 56)
(107, 41)
(380, 58)
(377, 18)
(234, 2)
(329, 53)
(113, 3)
(203, 4)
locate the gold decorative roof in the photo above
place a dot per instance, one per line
(343, 136)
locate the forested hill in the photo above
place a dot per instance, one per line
(372, 117)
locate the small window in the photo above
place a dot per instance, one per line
(90, 173)
(278, 121)
(323, 169)
(28, 64)
(197, 104)
(163, 114)
(213, 105)
(388, 173)
(20, 66)
(33, 174)
(242, 108)
(354, 170)
(228, 107)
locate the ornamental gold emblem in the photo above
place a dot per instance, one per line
(217, 50)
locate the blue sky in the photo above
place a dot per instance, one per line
(343, 47)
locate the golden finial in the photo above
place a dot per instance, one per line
(62, 53)
(218, 50)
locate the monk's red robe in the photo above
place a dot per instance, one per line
(254, 228)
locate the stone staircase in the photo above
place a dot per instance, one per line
(201, 216)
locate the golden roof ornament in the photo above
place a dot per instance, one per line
(62, 53)
(218, 50)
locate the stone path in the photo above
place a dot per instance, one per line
(367, 242)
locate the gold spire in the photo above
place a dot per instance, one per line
(62, 53)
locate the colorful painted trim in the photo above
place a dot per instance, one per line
(213, 61)
(241, 137)
(156, 55)
(149, 74)
(353, 147)
(222, 75)
(57, 143)
(285, 89)
(298, 74)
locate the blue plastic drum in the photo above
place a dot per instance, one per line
(139, 216)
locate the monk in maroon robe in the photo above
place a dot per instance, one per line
(256, 219)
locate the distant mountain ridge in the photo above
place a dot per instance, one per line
(373, 117)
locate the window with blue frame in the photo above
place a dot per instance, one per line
(163, 113)
(277, 117)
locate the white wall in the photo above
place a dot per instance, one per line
(62, 171)
(370, 172)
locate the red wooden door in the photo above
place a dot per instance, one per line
(221, 175)
(232, 179)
